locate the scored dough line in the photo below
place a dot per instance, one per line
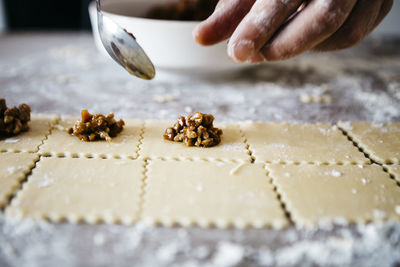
(392, 176)
(145, 166)
(279, 197)
(21, 183)
(247, 145)
(345, 133)
(141, 137)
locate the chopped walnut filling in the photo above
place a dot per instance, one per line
(96, 127)
(195, 130)
(14, 120)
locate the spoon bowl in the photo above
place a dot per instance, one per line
(121, 45)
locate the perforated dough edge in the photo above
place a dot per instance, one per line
(4, 200)
(94, 218)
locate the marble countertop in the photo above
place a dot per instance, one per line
(62, 73)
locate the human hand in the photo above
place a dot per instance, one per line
(268, 30)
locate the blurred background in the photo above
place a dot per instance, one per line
(20, 15)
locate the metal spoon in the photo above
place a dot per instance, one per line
(121, 45)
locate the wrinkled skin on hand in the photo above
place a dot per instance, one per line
(269, 30)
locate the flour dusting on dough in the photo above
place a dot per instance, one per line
(11, 170)
(45, 182)
(233, 147)
(199, 188)
(346, 125)
(365, 181)
(380, 214)
(334, 173)
(11, 140)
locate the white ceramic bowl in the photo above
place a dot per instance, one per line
(169, 44)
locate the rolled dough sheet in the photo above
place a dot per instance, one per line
(81, 189)
(231, 148)
(319, 143)
(394, 170)
(13, 168)
(210, 193)
(380, 141)
(60, 143)
(39, 128)
(342, 193)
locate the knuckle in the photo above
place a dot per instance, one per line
(330, 15)
(354, 37)
(275, 53)
(327, 22)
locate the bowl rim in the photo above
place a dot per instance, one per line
(92, 5)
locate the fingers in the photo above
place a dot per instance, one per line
(221, 24)
(385, 8)
(316, 22)
(362, 20)
(257, 27)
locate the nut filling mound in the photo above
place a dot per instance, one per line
(195, 130)
(14, 120)
(96, 127)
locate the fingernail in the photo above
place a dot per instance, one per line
(256, 59)
(241, 51)
(195, 31)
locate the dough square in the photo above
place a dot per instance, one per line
(210, 193)
(380, 141)
(60, 143)
(81, 189)
(328, 194)
(13, 168)
(29, 141)
(319, 143)
(231, 148)
(394, 170)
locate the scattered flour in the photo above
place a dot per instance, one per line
(12, 170)
(324, 131)
(265, 257)
(199, 188)
(11, 140)
(163, 98)
(346, 126)
(201, 252)
(361, 245)
(167, 253)
(334, 173)
(365, 181)
(188, 109)
(45, 181)
(228, 254)
(99, 239)
(270, 90)
(380, 214)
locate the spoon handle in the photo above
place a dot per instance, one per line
(98, 5)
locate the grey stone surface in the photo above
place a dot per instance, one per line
(62, 73)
